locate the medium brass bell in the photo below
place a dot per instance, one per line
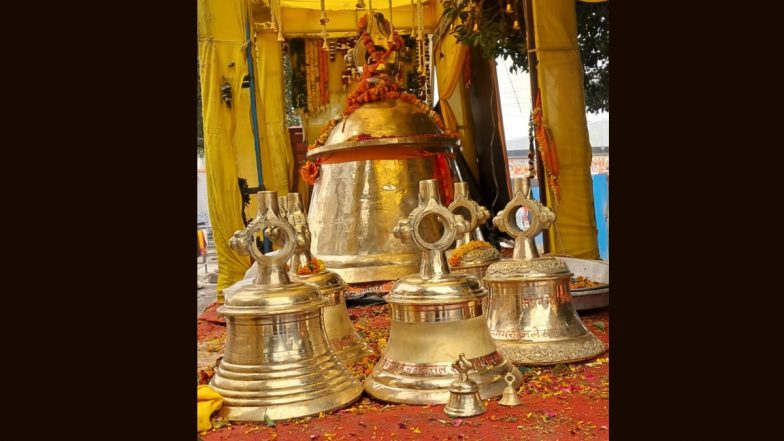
(472, 255)
(530, 311)
(510, 397)
(348, 346)
(277, 362)
(464, 398)
(435, 316)
(302, 266)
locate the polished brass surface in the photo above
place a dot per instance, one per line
(277, 362)
(475, 262)
(464, 398)
(474, 214)
(530, 311)
(510, 397)
(435, 316)
(397, 123)
(343, 338)
(355, 204)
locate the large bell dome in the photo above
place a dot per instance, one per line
(386, 122)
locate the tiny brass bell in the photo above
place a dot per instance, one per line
(435, 315)
(530, 311)
(343, 338)
(464, 398)
(510, 397)
(472, 255)
(277, 361)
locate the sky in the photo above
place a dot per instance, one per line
(515, 93)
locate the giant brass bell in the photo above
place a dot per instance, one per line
(371, 163)
(344, 340)
(436, 316)
(277, 362)
(472, 254)
(530, 310)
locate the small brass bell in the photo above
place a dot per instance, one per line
(530, 312)
(464, 398)
(472, 255)
(436, 315)
(277, 362)
(343, 338)
(510, 397)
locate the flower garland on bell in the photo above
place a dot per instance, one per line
(460, 252)
(314, 266)
(372, 88)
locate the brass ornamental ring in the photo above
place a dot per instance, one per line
(469, 206)
(288, 244)
(448, 221)
(510, 221)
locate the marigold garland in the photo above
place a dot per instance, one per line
(377, 87)
(309, 172)
(314, 266)
(547, 148)
(458, 253)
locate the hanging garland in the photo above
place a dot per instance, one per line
(376, 87)
(547, 149)
(382, 87)
(317, 74)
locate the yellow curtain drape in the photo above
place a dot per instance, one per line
(454, 107)
(560, 78)
(277, 161)
(222, 59)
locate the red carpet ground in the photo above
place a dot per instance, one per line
(562, 402)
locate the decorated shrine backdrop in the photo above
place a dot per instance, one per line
(227, 27)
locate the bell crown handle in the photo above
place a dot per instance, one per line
(540, 218)
(433, 262)
(408, 229)
(298, 219)
(479, 214)
(283, 207)
(271, 270)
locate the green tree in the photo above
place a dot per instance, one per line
(487, 26)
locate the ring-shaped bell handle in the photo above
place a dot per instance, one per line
(463, 200)
(287, 237)
(541, 217)
(408, 229)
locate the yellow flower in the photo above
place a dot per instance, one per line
(458, 254)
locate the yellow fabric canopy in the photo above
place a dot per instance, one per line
(343, 5)
(222, 61)
(560, 77)
(229, 147)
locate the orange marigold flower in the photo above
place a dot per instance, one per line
(309, 172)
(457, 255)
